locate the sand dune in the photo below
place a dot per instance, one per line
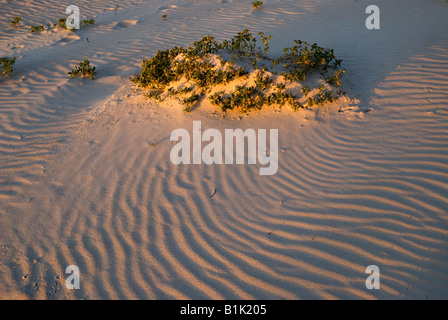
(85, 175)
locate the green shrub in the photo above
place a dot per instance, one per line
(84, 70)
(266, 41)
(7, 65)
(257, 4)
(281, 86)
(154, 94)
(157, 72)
(243, 44)
(191, 101)
(305, 90)
(205, 65)
(15, 23)
(263, 82)
(61, 22)
(303, 59)
(37, 28)
(87, 22)
(335, 80)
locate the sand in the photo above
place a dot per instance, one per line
(86, 178)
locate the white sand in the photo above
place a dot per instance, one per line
(81, 183)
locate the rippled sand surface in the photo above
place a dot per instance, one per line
(86, 178)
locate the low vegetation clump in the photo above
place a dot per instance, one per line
(62, 23)
(84, 70)
(257, 4)
(239, 74)
(37, 28)
(15, 22)
(7, 65)
(87, 22)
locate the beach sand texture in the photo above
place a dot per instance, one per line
(86, 178)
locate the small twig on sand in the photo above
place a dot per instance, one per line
(212, 194)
